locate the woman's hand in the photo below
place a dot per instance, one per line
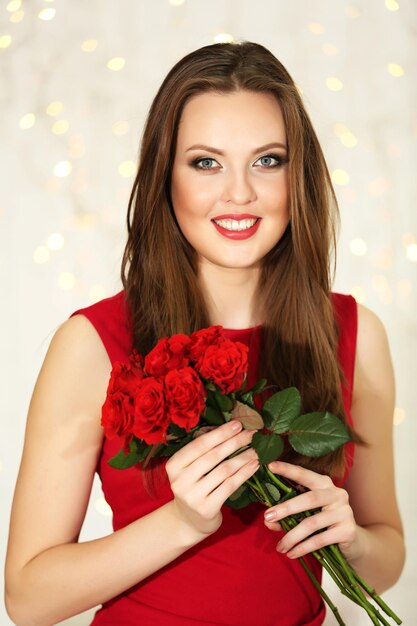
(335, 519)
(202, 480)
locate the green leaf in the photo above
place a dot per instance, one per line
(274, 492)
(316, 434)
(136, 455)
(240, 498)
(268, 447)
(281, 408)
(260, 386)
(213, 417)
(223, 402)
(176, 430)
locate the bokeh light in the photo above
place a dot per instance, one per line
(14, 5)
(55, 241)
(127, 169)
(62, 169)
(223, 38)
(47, 14)
(116, 64)
(340, 177)
(395, 70)
(54, 108)
(66, 281)
(60, 127)
(27, 121)
(41, 255)
(89, 45)
(358, 247)
(334, 84)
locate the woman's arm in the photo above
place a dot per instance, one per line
(363, 518)
(49, 576)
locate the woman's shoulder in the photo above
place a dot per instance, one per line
(110, 319)
(373, 363)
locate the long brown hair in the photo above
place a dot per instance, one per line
(159, 267)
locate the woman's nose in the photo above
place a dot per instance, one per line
(238, 188)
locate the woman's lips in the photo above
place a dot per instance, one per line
(237, 234)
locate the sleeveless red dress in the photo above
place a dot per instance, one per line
(235, 577)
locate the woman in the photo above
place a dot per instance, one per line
(231, 222)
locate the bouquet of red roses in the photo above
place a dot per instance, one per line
(187, 385)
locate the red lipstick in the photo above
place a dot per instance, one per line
(237, 234)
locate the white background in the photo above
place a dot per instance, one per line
(44, 279)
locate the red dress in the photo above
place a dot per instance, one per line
(235, 577)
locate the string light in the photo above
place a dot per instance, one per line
(14, 5)
(334, 84)
(392, 5)
(66, 281)
(223, 38)
(47, 14)
(54, 108)
(116, 64)
(27, 121)
(5, 41)
(358, 247)
(89, 45)
(316, 28)
(340, 177)
(55, 241)
(60, 127)
(346, 137)
(126, 169)
(412, 252)
(62, 169)
(41, 255)
(395, 70)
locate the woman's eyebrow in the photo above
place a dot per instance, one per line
(200, 146)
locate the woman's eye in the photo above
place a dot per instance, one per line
(203, 164)
(266, 160)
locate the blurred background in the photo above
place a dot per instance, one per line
(76, 81)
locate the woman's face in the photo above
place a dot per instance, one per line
(229, 185)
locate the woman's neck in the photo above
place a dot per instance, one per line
(230, 295)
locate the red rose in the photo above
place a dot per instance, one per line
(151, 420)
(136, 361)
(117, 413)
(185, 395)
(226, 364)
(169, 353)
(202, 339)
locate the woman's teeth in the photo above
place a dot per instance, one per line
(236, 224)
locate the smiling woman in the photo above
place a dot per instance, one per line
(210, 197)
(231, 221)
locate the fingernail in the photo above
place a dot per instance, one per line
(236, 425)
(270, 515)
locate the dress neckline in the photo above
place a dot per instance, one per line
(234, 333)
